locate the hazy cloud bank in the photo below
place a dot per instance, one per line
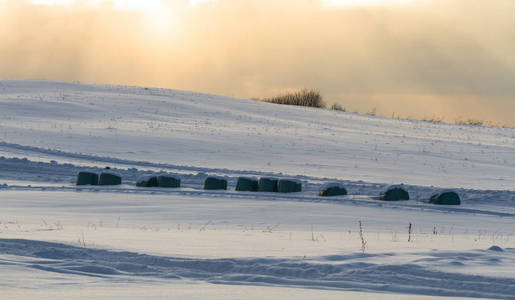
(446, 58)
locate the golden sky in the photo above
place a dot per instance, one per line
(418, 58)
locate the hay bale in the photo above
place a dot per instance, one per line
(445, 198)
(166, 181)
(289, 186)
(215, 183)
(394, 193)
(332, 189)
(87, 178)
(267, 184)
(108, 178)
(147, 181)
(246, 184)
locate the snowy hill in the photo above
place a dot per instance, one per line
(117, 241)
(191, 129)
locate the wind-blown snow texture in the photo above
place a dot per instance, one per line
(200, 130)
(337, 272)
(62, 236)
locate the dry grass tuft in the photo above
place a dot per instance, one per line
(472, 122)
(313, 98)
(338, 107)
(304, 97)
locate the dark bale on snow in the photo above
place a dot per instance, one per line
(246, 184)
(445, 198)
(267, 184)
(165, 181)
(394, 193)
(87, 178)
(148, 181)
(289, 186)
(215, 183)
(110, 179)
(332, 189)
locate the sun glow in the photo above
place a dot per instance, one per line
(147, 5)
(150, 6)
(51, 2)
(157, 15)
(364, 2)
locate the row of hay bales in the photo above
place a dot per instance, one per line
(264, 184)
(399, 193)
(105, 178)
(249, 184)
(246, 184)
(163, 181)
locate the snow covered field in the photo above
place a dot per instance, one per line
(58, 240)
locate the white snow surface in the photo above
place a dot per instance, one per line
(58, 240)
(191, 129)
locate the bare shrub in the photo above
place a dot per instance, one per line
(473, 122)
(338, 107)
(372, 112)
(433, 119)
(304, 97)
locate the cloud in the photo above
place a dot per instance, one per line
(452, 58)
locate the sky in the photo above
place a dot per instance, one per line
(451, 59)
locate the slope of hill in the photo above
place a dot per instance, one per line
(190, 129)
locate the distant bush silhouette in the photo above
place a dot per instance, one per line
(338, 107)
(372, 112)
(313, 98)
(304, 97)
(433, 119)
(472, 122)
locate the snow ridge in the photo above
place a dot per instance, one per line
(330, 272)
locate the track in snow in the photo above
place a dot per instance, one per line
(17, 171)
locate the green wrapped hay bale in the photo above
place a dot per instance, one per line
(147, 181)
(108, 178)
(215, 183)
(166, 181)
(289, 186)
(394, 193)
(87, 178)
(246, 184)
(267, 184)
(445, 198)
(332, 189)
